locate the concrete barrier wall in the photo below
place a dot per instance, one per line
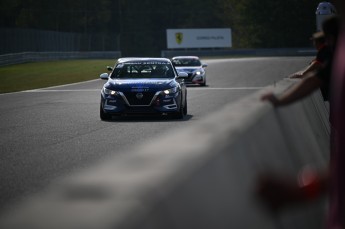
(178, 183)
(308, 51)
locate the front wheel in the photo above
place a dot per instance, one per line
(204, 83)
(185, 110)
(180, 113)
(104, 116)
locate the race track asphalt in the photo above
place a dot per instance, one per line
(53, 132)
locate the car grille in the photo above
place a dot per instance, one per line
(190, 77)
(134, 101)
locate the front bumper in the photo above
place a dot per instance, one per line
(195, 79)
(126, 103)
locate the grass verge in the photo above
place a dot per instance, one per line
(28, 76)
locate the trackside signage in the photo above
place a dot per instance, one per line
(199, 38)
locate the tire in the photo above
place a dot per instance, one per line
(185, 109)
(102, 115)
(180, 113)
(204, 83)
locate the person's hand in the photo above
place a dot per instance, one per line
(277, 192)
(296, 75)
(280, 191)
(271, 98)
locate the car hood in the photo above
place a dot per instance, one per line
(188, 69)
(140, 85)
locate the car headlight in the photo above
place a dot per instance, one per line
(199, 72)
(109, 92)
(171, 90)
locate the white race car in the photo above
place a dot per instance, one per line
(193, 66)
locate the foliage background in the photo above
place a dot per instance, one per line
(140, 25)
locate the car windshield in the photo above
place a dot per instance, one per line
(143, 69)
(191, 62)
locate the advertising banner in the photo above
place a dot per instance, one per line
(199, 38)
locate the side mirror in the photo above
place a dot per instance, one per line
(182, 75)
(104, 76)
(204, 65)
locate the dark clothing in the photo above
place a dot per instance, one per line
(325, 74)
(323, 54)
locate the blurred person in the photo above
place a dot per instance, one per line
(313, 80)
(279, 191)
(323, 54)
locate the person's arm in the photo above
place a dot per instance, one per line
(303, 88)
(315, 65)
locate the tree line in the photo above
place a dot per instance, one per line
(140, 25)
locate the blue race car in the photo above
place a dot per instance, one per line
(140, 86)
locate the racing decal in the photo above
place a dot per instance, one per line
(135, 83)
(147, 63)
(179, 38)
(138, 89)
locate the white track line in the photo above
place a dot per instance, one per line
(93, 90)
(62, 90)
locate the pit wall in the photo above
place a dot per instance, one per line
(175, 182)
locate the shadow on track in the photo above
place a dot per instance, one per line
(140, 118)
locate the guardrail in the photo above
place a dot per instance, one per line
(19, 58)
(200, 177)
